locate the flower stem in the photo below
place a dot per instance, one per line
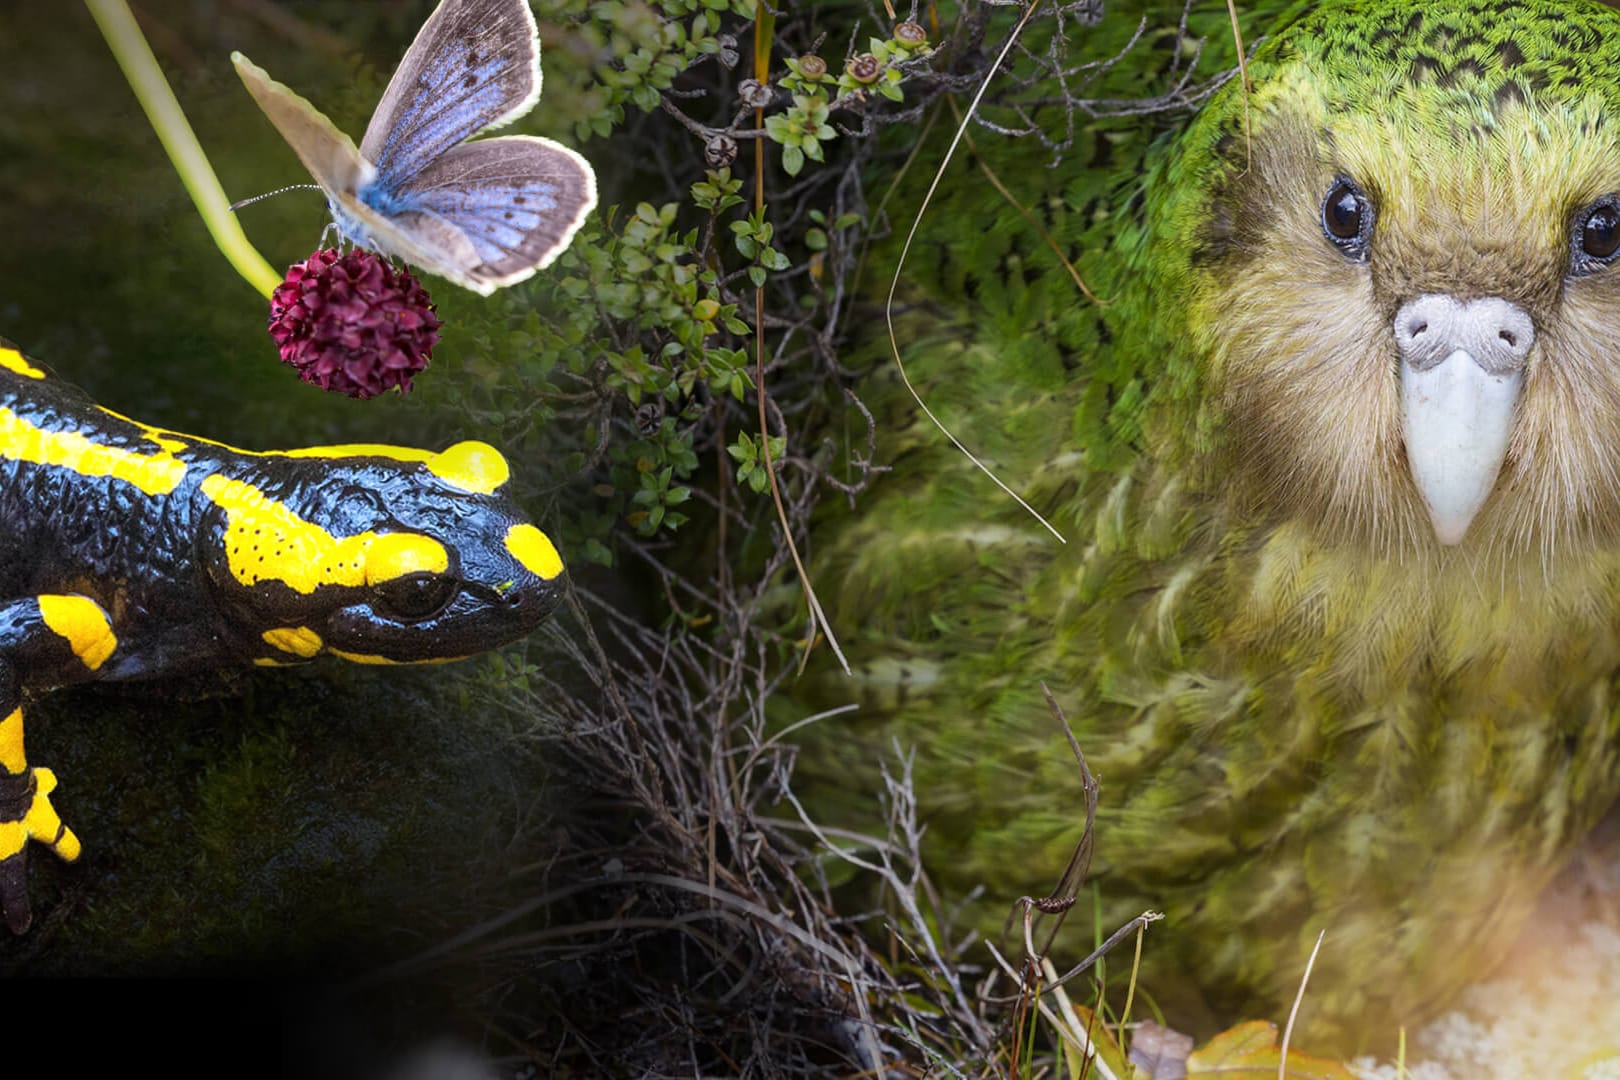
(140, 67)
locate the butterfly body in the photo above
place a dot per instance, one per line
(482, 214)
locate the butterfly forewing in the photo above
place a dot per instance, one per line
(517, 199)
(326, 152)
(475, 64)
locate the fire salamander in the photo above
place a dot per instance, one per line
(128, 551)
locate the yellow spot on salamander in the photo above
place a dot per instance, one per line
(298, 640)
(353, 450)
(534, 549)
(394, 555)
(41, 823)
(14, 361)
(474, 467)
(155, 474)
(266, 540)
(168, 440)
(12, 758)
(372, 658)
(471, 466)
(82, 622)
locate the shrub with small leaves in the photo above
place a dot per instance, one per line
(753, 239)
(640, 49)
(650, 352)
(801, 131)
(751, 470)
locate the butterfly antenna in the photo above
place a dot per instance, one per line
(290, 187)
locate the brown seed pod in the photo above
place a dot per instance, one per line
(910, 34)
(812, 66)
(754, 94)
(720, 151)
(728, 49)
(649, 416)
(865, 68)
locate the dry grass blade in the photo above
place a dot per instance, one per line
(1036, 981)
(1293, 1012)
(894, 282)
(1136, 971)
(764, 23)
(1074, 875)
(1135, 926)
(905, 886)
(1243, 74)
(1079, 1035)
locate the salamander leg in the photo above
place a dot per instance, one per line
(44, 641)
(26, 814)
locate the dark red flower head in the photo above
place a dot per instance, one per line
(352, 323)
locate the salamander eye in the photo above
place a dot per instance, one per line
(1347, 218)
(1595, 240)
(415, 597)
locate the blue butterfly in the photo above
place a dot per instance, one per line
(483, 214)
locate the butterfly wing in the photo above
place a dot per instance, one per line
(419, 239)
(326, 152)
(483, 214)
(475, 64)
(490, 213)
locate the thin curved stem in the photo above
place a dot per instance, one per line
(163, 111)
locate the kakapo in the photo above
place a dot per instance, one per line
(1338, 461)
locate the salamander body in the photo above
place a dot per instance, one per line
(129, 551)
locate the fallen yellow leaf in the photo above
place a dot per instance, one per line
(1249, 1051)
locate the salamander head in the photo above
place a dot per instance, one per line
(376, 554)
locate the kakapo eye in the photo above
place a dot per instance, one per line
(1596, 240)
(1347, 217)
(415, 597)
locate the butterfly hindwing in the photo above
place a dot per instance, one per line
(518, 200)
(418, 237)
(475, 64)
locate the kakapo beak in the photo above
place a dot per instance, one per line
(1462, 370)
